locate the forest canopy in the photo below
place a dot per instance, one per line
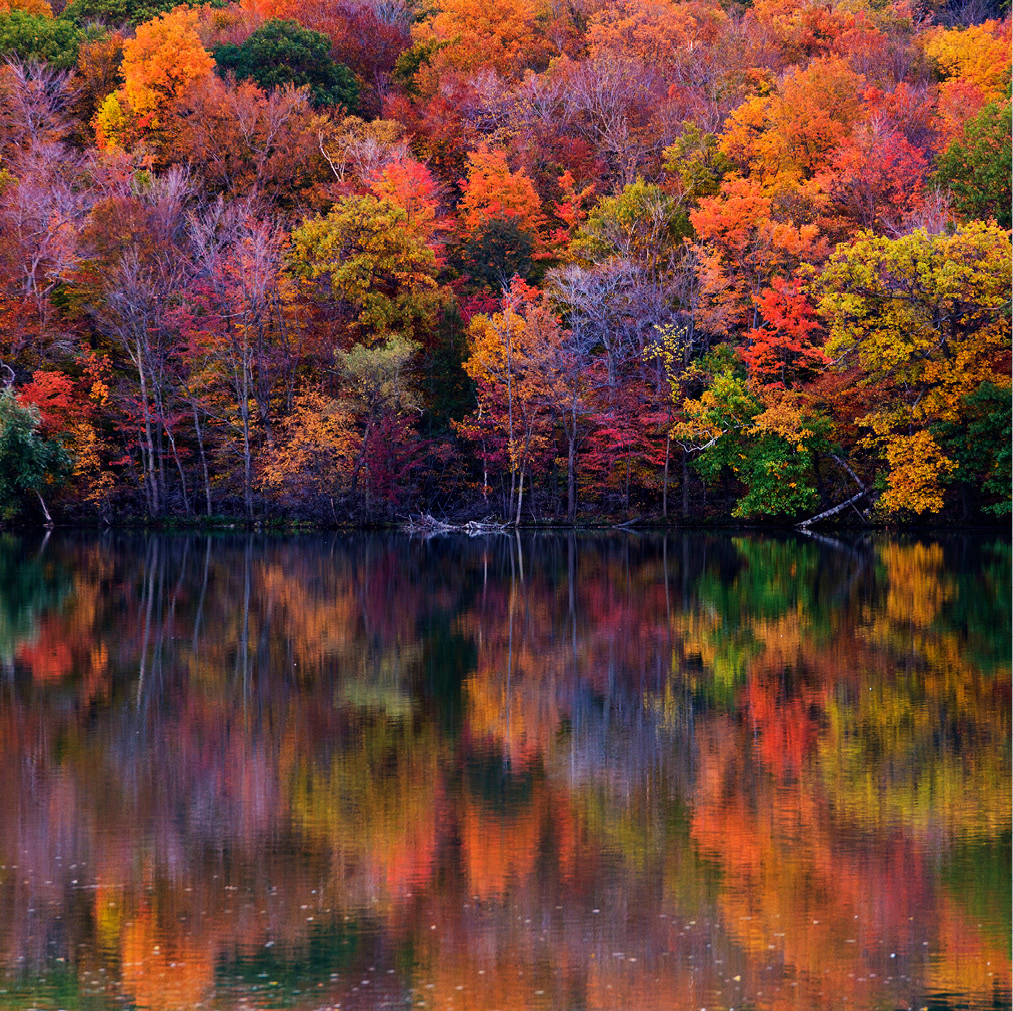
(525, 260)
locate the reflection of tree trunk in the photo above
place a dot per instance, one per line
(244, 648)
(149, 591)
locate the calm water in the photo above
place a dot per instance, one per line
(538, 773)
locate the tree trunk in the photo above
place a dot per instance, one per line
(45, 511)
(571, 476)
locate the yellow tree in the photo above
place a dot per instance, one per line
(925, 319)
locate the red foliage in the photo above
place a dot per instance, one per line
(783, 350)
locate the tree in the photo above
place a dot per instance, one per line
(116, 13)
(29, 460)
(497, 251)
(783, 351)
(976, 168)
(925, 319)
(876, 176)
(740, 225)
(410, 185)
(786, 136)
(283, 52)
(511, 359)
(464, 36)
(163, 60)
(38, 37)
(978, 55)
(764, 437)
(491, 191)
(375, 267)
(385, 398)
(640, 224)
(313, 453)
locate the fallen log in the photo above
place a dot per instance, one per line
(426, 525)
(805, 524)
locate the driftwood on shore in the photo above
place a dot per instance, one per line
(426, 525)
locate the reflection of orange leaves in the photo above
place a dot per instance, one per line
(963, 961)
(497, 849)
(918, 584)
(786, 727)
(161, 970)
(500, 849)
(49, 657)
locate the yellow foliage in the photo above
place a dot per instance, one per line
(316, 449)
(111, 122)
(979, 55)
(917, 467)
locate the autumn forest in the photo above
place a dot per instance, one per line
(514, 260)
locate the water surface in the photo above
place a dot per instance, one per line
(535, 772)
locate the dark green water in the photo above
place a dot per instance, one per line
(535, 772)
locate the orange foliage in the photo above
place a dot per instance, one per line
(163, 60)
(496, 34)
(492, 191)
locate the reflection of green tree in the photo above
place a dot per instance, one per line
(328, 948)
(28, 587)
(980, 613)
(375, 800)
(59, 988)
(774, 577)
(648, 833)
(977, 875)
(771, 579)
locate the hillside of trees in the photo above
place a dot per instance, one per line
(532, 260)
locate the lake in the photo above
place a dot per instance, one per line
(517, 772)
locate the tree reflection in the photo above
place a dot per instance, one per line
(520, 772)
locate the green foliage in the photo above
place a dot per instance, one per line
(33, 37)
(498, 250)
(115, 13)
(373, 263)
(641, 223)
(28, 459)
(977, 168)
(382, 376)
(696, 161)
(982, 445)
(27, 590)
(283, 52)
(411, 61)
(770, 451)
